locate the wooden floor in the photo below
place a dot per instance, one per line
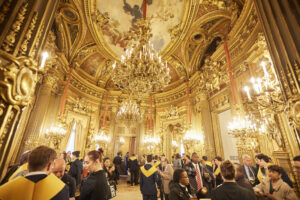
(127, 192)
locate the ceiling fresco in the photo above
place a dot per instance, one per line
(91, 64)
(121, 16)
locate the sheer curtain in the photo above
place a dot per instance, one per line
(71, 142)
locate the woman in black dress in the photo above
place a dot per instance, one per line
(95, 186)
(110, 172)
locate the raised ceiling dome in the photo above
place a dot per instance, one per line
(185, 32)
(112, 22)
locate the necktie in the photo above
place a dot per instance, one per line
(198, 178)
(251, 173)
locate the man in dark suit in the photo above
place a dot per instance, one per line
(229, 189)
(249, 171)
(199, 177)
(148, 180)
(118, 162)
(76, 168)
(32, 186)
(133, 167)
(58, 169)
(207, 163)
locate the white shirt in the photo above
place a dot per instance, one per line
(35, 173)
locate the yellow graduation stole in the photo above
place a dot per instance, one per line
(260, 175)
(217, 172)
(23, 189)
(20, 169)
(148, 172)
(208, 163)
(132, 158)
(156, 163)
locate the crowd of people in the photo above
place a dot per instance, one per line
(41, 175)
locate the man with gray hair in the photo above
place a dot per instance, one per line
(249, 171)
(58, 169)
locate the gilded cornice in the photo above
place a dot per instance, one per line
(186, 21)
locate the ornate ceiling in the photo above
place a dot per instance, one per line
(93, 33)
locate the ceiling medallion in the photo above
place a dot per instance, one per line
(141, 70)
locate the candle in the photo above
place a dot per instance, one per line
(263, 64)
(45, 55)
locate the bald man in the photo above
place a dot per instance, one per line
(58, 169)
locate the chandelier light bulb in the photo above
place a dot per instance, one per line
(45, 55)
(141, 70)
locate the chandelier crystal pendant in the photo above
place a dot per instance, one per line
(129, 112)
(247, 127)
(141, 70)
(101, 137)
(55, 134)
(192, 136)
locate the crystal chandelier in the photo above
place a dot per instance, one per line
(151, 141)
(55, 134)
(101, 137)
(247, 127)
(192, 136)
(141, 70)
(129, 112)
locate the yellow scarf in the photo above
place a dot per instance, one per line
(148, 172)
(132, 158)
(260, 175)
(20, 169)
(217, 172)
(23, 189)
(208, 163)
(156, 163)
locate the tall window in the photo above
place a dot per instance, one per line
(181, 148)
(71, 143)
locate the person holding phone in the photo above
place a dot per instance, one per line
(180, 188)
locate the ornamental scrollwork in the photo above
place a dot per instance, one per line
(19, 77)
(10, 38)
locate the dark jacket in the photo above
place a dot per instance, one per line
(133, 165)
(231, 191)
(254, 171)
(148, 184)
(76, 170)
(8, 174)
(94, 187)
(180, 193)
(62, 195)
(71, 183)
(117, 160)
(191, 172)
(244, 183)
(218, 179)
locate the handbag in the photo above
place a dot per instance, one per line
(112, 191)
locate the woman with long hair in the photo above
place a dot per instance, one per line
(95, 186)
